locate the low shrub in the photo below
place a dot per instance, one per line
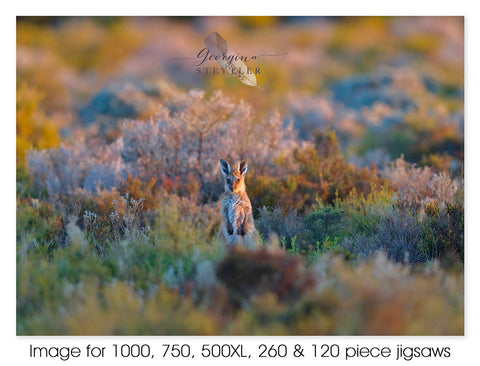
(246, 274)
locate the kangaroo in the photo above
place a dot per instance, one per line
(237, 218)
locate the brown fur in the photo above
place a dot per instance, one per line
(237, 218)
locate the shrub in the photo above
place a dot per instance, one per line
(127, 219)
(443, 230)
(415, 185)
(102, 311)
(34, 128)
(39, 225)
(82, 44)
(316, 171)
(325, 223)
(272, 221)
(413, 234)
(178, 150)
(247, 274)
(81, 168)
(375, 297)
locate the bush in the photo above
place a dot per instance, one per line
(416, 185)
(34, 128)
(179, 149)
(272, 221)
(313, 172)
(412, 234)
(247, 274)
(443, 230)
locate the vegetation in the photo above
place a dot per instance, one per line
(355, 176)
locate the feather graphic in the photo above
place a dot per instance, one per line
(224, 55)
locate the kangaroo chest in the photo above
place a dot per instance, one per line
(238, 208)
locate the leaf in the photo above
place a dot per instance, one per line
(224, 55)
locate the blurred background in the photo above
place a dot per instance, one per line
(387, 85)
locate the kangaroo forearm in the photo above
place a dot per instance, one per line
(230, 228)
(242, 229)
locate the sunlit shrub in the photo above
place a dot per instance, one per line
(179, 150)
(34, 128)
(418, 184)
(442, 163)
(127, 219)
(180, 226)
(82, 44)
(102, 311)
(137, 189)
(316, 172)
(71, 170)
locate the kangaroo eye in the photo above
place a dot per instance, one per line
(238, 180)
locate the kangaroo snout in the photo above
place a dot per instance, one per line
(233, 183)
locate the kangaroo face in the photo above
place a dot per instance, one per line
(234, 178)
(234, 182)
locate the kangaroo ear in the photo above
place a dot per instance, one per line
(242, 167)
(225, 167)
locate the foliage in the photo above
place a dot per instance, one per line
(416, 185)
(34, 128)
(313, 172)
(278, 295)
(82, 44)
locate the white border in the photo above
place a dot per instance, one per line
(15, 349)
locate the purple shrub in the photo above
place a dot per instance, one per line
(183, 143)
